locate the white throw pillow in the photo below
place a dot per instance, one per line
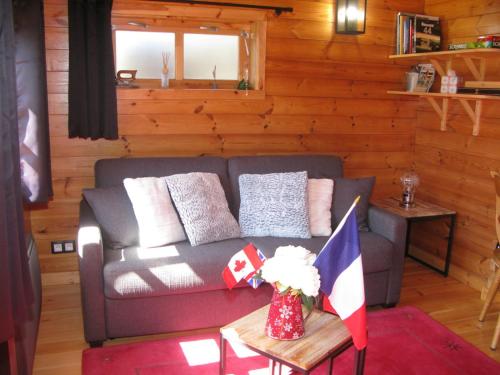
(154, 211)
(320, 195)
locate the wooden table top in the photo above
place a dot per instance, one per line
(324, 333)
(421, 209)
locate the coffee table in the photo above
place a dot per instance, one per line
(326, 337)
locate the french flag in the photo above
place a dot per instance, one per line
(341, 271)
(243, 265)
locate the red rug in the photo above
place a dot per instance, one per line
(401, 341)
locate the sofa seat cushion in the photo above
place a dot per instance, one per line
(173, 269)
(376, 250)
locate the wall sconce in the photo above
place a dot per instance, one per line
(351, 16)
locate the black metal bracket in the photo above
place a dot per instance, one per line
(277, 10)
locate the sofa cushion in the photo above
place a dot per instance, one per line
(173, 269)
(274, 204)
(156, 216)
(111, 172)
(346, 190)
(376, 250)
(115, 215)
(316, 166)
(203, 207)
(268, 245)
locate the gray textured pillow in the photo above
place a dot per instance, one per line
(115, 215)
(202, 206)
(346, 190)
(274, 204)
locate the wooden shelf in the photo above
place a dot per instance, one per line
(445, 55)
(475, 60)
(451, 96)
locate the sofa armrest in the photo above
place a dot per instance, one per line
(91, 263)
(392, 227)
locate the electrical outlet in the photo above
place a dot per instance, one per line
(69, 246)
(56, 247)
(64, 246)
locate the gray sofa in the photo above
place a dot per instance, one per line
(130, 292)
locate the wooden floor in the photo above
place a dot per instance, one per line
(60, 341)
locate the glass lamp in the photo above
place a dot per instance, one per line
(351, 16)
(410, 181)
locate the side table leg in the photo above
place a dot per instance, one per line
(408, 233)
(222, 359)
(359, 361)
(272, 364)
(450, 245)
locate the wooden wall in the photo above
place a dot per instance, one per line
(454, 166)
(326, 93)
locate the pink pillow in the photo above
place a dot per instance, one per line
(320, 194)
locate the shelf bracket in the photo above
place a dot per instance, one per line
(474, 114)
(442, 110)
(438, 66)
(477, 72)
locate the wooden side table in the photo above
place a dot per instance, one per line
(421, 212)
(326, 337)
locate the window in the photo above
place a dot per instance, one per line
(142, 51)
(233, 50)
(203, 53)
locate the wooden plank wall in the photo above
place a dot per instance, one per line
(454, 166)
(326, 93)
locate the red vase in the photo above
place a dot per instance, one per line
(285, 320)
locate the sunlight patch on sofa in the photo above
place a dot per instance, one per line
(86, 236)
(157, 252)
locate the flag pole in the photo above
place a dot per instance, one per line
(358, 198)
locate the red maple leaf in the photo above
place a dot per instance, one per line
(239, 265)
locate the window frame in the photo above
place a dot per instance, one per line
(181, 26)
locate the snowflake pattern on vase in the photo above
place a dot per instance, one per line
(285, 320)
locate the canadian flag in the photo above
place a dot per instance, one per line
(243, 265)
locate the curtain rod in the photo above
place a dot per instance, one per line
(277, 10)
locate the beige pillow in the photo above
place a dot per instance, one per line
(320, 195)
(158, 222)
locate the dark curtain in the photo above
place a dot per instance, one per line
(15, 287)
(32, 108)
(92, 94)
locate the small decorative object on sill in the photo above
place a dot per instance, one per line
(243, 84)
(295, 281)
(214, 74)
(164, 70)
(126, 78)
(410, 181)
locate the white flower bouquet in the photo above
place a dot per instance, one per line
(291, 270)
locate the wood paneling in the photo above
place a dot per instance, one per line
(454, 166)
(326, 93)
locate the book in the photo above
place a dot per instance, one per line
(417, 33)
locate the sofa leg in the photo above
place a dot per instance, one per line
(96, 344)
(388, 305)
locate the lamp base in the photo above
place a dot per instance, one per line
(407, 204)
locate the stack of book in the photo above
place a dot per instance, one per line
(417, 33)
